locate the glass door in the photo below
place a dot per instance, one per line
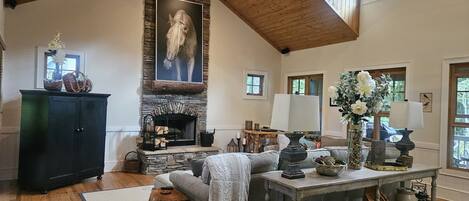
(307, 85)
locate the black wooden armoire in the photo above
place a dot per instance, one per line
(62, 138)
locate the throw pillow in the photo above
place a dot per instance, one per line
(197, 167)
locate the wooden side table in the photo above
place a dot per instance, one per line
(314, 184)
(254, 139)
(173, 195)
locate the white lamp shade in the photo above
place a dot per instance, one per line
(295, 113)
(406, 114)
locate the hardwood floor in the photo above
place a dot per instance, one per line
(114, 180)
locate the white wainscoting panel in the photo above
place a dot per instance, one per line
(9, 146)
(449, 187)
(224, 134)
(118, 144)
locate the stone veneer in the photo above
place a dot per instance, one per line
(150, 98)
(174, 158)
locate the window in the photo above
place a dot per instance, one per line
(298, 86)
(458, 120)
(307, 85)
(72, 63)
(378, 127)
(45, 67)
(255, 85)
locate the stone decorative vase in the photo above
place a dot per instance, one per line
(293, 154)
(354, 139)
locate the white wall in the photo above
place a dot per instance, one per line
(235, 47)
(110, 33)
(421, 33)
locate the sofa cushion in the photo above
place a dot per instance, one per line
(162, 180)
(191, 186)
(264, 162)
(331, 140)
(340, 152)
(197, 167)
(260, 162)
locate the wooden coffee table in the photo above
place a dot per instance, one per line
(173, 195)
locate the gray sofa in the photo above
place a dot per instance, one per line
(195, 189)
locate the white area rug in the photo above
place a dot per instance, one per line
(141, 193)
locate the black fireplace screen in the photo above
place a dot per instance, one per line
(179, 129)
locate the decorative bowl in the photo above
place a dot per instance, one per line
(330, 170)
(53, 85)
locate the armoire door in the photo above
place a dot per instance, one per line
(91, 140)
(62, 134)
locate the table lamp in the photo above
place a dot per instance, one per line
(407, 115)
(294, 115)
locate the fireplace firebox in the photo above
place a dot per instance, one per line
(179, 129)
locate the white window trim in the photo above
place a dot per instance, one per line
(445, 73)
(264, 85)
(40, 51)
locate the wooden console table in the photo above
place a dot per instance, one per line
(314, 184)
(254, 139)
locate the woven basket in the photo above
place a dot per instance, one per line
(131, 164)
(77, 82)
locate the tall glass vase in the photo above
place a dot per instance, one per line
(354, 139)
(54, 84)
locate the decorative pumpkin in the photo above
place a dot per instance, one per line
(77, 82)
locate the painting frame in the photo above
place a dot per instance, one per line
(427, 101)
(164, 74)
(332, 103)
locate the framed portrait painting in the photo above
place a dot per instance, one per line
(179, 45)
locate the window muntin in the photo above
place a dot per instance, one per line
(298, 86)
(254, 85)
(71, 64)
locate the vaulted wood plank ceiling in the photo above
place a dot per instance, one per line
(300, 24)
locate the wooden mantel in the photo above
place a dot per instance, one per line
(300, 24)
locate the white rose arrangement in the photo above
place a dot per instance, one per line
(359, 96)
(56, 48)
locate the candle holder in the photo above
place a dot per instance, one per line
(239, 147)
